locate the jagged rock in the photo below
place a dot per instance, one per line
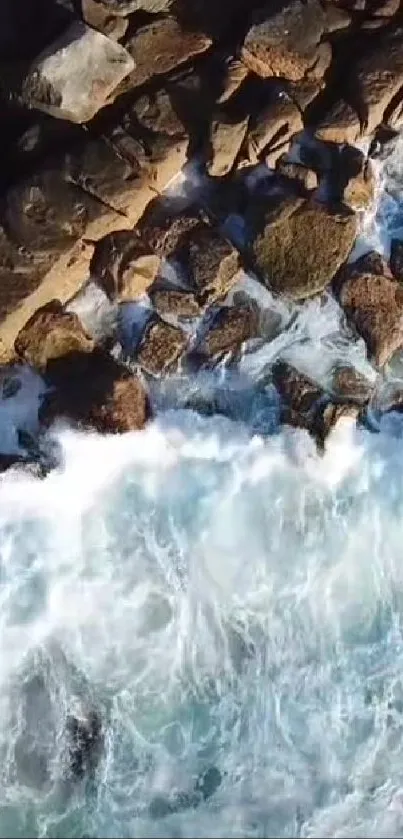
(304, 92)
(234, 76)
(226, 138)
(231, 326)
(102, 173)
(298, 249)
(85, 744)
(396, 259)
(88, 386)
(100, 17)
(286, 41)
(273, 126)
(350, 385)
(123, 266)
(359, 190)
(377, 77)
(161, 46)
(273, 155)
(127, 7)
(160, 347)
(373, 302)
(340, 124)
(295, 172)
(49, 334)
(77, 75)
(175, 301)
(155, 111)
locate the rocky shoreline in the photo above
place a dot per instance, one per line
(268, 108)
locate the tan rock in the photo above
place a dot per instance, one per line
(100, 17)
(160, 46)
(175, 301)
(231, 326)
(377, 77)
(359, 191)
(299, 250)
(340, 124)
(295, 172)
(226, 138)
(374, 304)
(305, 91)
(50, 334)
(235, 74)
(123, 266)
(274, 125)
(285, 42)
(161, 347)
(127, 7)
(77, 75)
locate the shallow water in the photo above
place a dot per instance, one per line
(229, 602)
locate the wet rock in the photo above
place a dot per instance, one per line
(350, 385)
(286, 41)
(296, 173)
(225, 141)
(329, 415)
(396, 259)
(274, 125)
(175, 301)
(124, 266)
(50, 333)
(340, 124)
(359, 190)
(85, 744)
(231, 326)
(161, 347)
(88, 386)
(298, 250)
(377, 77)
(161, 46)
(77, 75)
(373, 303)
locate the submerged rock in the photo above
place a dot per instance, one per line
(230, 327)
(85, 743)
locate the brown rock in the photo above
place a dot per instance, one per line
(297, 173)
(374, 304)
(396, 259)
(100, 17)
(304, 92)
(350, 385)
(340, 124)
(124, 266)
(175, 301)
(226, 138)
(163, 231)
(102, 173)
(359, 191)
(127, 7)
(329, 415)
(284, 41)
(160, 47)
(50, 334)
(298, 252)
(387, 8)
(234, 76)
(161, 347)
(377, 77)
(155, 111)
(231, 326)
(76, 75)
(273, 126)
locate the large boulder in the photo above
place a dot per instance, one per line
(161, 346)
(286, 40)
(373, 302)
(88, 386)
(230, 327)
(76, 75)
(377, 77)
(298, 250)
(272, 126)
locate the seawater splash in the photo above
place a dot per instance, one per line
(233, 606)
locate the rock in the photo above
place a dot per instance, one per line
(377, 77)
(373, 303)
(285, 41)
(234, 76)
(298, 252)
(102, 173)
(156, 112)
(340, 124)
(396, 259)
(231, 326)
(51, 333)
(127, 7)
(275, 124)
(329, 415)
(85, 744)
(98, 16)
(359, 190)
(161, 347)
(123, 266)
(160, 47)
(175, 301)
(226, 138)
(77, 75)
(304, 92)
(88, 386)
(296, 173)
(350, 385)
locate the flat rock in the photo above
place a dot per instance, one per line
(285, 40)
(231, 326)
(377, 77)
(299, 247)
(225, 141)
(160, 347)
(124, 266)
(77, 74)
(160, 47)
(373, 303)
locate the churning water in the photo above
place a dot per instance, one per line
(228, 602)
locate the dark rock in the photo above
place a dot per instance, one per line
(231, 326)
(174, 301)
(396, 259)
(161, 347)
(272, 126)
(297, 174)
(76, 75)
(350, 385)
(102, 173)
(225, 142)
(377, 77)
(298, 251)
(124, 266)
(373, 302)
(49, 334)
(340, 124)
(85, 744)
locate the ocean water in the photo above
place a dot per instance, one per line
(227, 601)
